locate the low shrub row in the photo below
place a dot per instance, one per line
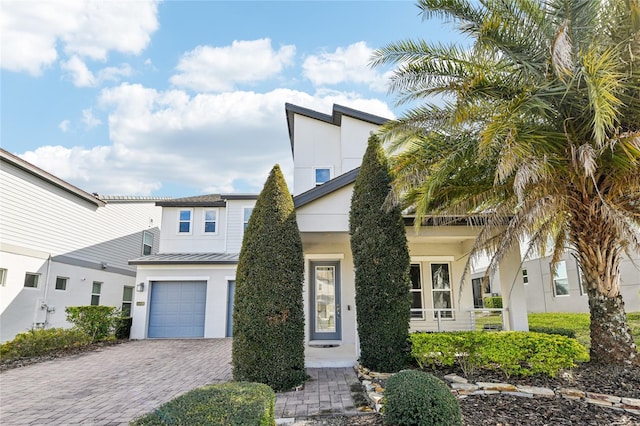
(567, 332)
(493, 302)
(229, 404)
(90, 324)
(512, 352)
(42, 342)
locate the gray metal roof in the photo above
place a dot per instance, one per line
(6, 156)
(335, 118)
(326, 188)
(209, 200)
(190, 258)
(132, 198)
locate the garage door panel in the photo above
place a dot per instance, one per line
(177, 309)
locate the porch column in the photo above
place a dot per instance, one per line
(512, 290)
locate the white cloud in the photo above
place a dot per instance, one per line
(81, 76)
(208, 142)
(64, 126)
(32, 31)
(88, 119)
(219, 69)
(345, 65)
(78, 71)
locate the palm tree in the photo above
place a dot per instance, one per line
(537, 128)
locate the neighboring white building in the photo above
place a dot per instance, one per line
(61, 246)
(187, 288)
(564, 291)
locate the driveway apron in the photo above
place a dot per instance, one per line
(113, 385)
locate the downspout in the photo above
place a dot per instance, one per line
(42, 303)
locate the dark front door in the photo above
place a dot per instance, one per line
(476, 283)
(325, 301)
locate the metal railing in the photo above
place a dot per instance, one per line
(448, 319)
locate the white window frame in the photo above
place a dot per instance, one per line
(417, 316)
(315, 175)
(525, 276)
(128, 302)
(180, 221)
(3, 277)
(37, 279)
(245, 223)
(555, 278)
(215, 221)
(144, 243)
(434, 291)
(94, 294)
(66, 283)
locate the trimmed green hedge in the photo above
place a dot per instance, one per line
(567, 332)
(381, 262)
(97, 322)
(493, 302)
(512, 352)
(268, 314)
(229, 404)
(415, 398)
(42, 342)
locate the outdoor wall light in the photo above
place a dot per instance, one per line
(140, 287)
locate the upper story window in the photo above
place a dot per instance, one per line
(61, 283)
(525, 276)
(246, 214)
(147, 242)
(322, 175)
(31, 280)
(3, 277)
(561, 280)
(184, 221)
(211, 221)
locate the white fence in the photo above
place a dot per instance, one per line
(458, 320)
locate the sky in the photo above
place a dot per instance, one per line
(182, 98)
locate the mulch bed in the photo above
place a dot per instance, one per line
(508, 410)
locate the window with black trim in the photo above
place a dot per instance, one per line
(61, 283)
(31, 280)
(3, 277)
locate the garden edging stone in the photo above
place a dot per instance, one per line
(462, 388)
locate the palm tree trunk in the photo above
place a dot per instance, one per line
(599, 254)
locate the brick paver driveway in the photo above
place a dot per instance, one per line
(113, 385)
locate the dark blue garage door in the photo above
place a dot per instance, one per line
(177, 309)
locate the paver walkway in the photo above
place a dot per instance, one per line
(117, 384)
(328, 391)
(113, 385)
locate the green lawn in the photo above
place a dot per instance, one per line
(580, 324)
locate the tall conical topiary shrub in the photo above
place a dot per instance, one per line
(381, 260)
(268, 318)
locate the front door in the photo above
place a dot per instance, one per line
(325, 301)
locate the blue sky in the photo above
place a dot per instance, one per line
(181, 98)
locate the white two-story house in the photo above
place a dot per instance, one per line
(187, 288)
(61, 246)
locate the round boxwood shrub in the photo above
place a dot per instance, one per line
(415, 398)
